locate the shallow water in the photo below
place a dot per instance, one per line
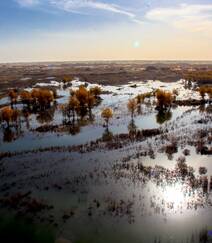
(147, 209)
(91, 132)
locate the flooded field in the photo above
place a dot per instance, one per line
(144, 175)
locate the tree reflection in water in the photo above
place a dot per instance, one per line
(163, 116)
(107, 135)
(26, 115)
(74, 128)
(46, 116)
(11, 134)
(132, 128)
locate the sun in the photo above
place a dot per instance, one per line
(136, 44)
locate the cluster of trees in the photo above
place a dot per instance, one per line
(81, 102)
(9, 115)
(135, 103)
(163, 104)
(164, 100)
(141, 97)
(36, 99)
(203, 90)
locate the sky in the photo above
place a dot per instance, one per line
(82, 30)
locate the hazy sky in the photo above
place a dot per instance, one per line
(58, 30)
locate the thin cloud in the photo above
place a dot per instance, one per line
(82, 6)
(72, 5)
(27, 3)
(194, 17)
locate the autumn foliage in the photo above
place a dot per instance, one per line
(131, 105)
(164, 99)
(9, 115)
(72, 107)
(203, 90)
(13, 95)
(26, 97)
(107, 114)
(38, 98)
(96, 91)
(140, 99)
(81, 102)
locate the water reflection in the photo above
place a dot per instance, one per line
(205, 108)
(169, 191)
(26, 116)
(12, 133)
(46, 116)
(74, 128)
(163, 116)
(107, 135)
(52, 121)
(132, 128)
(139, 109)
(9, 135)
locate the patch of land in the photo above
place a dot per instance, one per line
(20, 75)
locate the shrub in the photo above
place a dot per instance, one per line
(182, 167)
(202, 170)
(96, 91)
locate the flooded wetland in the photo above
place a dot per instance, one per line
(85, 162)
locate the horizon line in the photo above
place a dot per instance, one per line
(108, 60)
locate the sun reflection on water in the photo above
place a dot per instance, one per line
(174, 194)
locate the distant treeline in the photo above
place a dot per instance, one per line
(201, 77)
